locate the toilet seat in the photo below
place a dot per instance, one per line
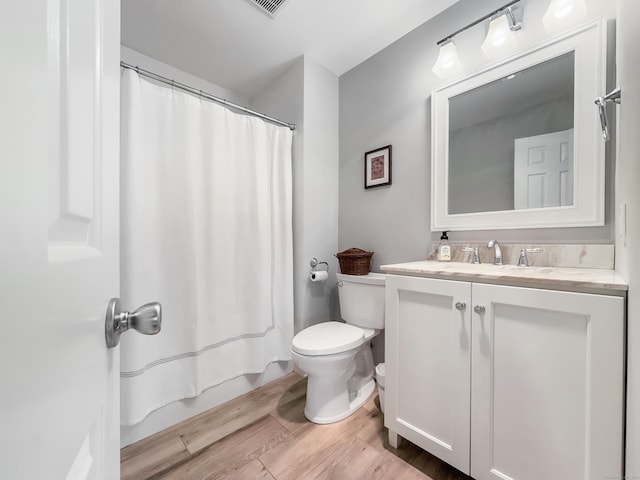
(327, 338)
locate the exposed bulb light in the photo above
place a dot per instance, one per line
(563, 12)
(500, 39)
(448, 63)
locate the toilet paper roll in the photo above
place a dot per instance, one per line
(319, 276)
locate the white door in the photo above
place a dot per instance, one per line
(59, 259)
(546, 384)
(627, 198)
(427, 356)
(543, 170)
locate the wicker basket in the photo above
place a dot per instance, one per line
(355, 261)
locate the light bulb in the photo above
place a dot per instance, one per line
(448, 63)
(562, 13)
(500, 39)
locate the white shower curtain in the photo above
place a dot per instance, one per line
(206, 231)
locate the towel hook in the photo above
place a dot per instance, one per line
(613, 96)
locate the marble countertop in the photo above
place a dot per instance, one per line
(583, 280)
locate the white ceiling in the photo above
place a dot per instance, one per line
(235, 45)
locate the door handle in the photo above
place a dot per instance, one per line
(479, 309)
(147, 319)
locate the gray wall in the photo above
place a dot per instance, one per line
(386, 100)
(307, 94)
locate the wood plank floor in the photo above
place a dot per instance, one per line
(264, 435)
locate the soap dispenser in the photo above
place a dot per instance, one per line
(444, 249)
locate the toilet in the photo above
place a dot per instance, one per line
(337, 356)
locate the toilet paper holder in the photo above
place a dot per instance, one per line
(314, 263)
(318, 275)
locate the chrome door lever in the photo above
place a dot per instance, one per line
(147, 319)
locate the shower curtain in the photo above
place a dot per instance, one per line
(207, 231)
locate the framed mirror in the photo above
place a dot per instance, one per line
(518, 144)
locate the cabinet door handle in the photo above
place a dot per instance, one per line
(479, 309)
(461, 306)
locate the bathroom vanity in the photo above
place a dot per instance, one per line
(507, 372)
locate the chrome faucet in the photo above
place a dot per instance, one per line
(475, 259)
(523, 261)
(496, 249)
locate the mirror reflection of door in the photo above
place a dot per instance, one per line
(543, 170)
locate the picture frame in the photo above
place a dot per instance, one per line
(377, 167)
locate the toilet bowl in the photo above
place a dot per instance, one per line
(337, 356)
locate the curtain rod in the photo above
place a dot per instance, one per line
(208, 96)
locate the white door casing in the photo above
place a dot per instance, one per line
(59, 144)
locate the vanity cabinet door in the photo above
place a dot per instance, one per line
(547, 384)
(428, 365)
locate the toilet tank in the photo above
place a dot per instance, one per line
(361, 299)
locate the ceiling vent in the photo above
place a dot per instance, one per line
(270, 7)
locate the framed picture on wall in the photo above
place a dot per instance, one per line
(377, 167)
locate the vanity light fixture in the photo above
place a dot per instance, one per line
(448, 63)
(563, 12)
(499, 40)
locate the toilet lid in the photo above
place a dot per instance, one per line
(327, 338)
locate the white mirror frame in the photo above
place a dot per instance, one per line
(589, 44)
